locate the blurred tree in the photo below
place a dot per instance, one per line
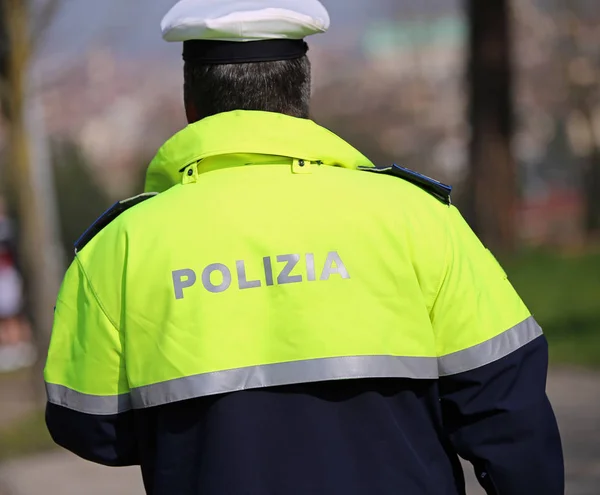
(582, 80)
(26, 172)
(80, 199)
(43, 15)
(491, 196)
(4, 61)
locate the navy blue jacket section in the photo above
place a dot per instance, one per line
(361, 437)
(499, 418)
(107, 440)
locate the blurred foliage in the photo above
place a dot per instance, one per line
(563, 293)
(80, 199)
(25, 437)
(353, 131)
(139, 182)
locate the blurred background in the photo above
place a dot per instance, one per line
(500, 98)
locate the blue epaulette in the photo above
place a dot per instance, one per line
(108, 216)
(435, 188)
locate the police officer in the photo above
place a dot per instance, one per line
(285, 318)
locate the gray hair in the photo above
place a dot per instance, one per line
(281, 86)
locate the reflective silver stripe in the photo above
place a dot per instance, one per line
(491, 350)
(88, 404)
(273, 375)
(315, 370)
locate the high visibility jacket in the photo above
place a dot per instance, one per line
(270, 257)
(257, 271)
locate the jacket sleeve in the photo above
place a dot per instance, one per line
(493, 361)
(88, 411)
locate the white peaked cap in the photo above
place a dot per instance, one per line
(244, 20)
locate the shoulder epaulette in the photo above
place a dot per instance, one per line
(435, 188)
(108, 216)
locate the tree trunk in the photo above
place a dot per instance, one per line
(38, 239)
(491, 203)
(591, 189)
(582, 98)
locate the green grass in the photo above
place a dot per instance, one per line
(24, 437)
(563, 293)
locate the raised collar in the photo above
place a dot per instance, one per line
(248, 133)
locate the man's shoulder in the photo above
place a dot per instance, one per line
(437, 189)
(109, 216)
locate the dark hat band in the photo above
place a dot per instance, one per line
(212, 52)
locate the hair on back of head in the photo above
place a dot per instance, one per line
(282, 86)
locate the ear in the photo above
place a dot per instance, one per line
(191, 112)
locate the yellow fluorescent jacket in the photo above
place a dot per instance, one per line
(268, 259)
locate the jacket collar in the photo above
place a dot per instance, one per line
(245, 137)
